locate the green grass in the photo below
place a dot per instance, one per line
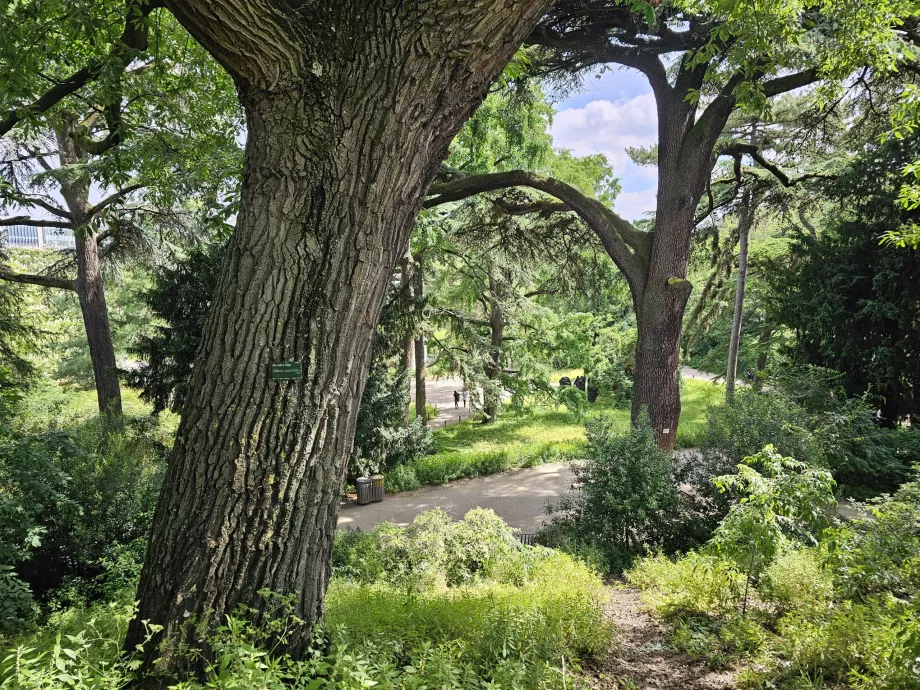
(695, 398)
(49, 404)
(559, 373)
(536, 436)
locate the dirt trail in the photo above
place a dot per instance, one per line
(642, 659)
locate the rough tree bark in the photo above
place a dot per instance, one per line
(421, 351)
(350, 109)
(745, 221)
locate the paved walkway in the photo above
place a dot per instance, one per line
(440, 393)
(519, 497)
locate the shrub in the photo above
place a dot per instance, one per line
(71, 499)
(401, 478)
(797, 579)
(482, 626)
(435, 552)
(575, 400)
(114, 478)
(831, 431)
(697, 584)
(879, 551)
(627, 497)
(752, 421)
(786, 501)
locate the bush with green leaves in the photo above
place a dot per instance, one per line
(833, 432)
(114, 479)
(842, 613)
(783, 501)
(575, 400)
(878, 552)
(70, 499)
(476, 623)
(627, 498)
(434, 551)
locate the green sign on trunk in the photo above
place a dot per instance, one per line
(286, 371)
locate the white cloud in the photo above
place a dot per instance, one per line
(609, 127)
(635, 205)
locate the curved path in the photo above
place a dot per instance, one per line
(519, 497)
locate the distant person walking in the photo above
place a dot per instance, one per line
(463, 395)
(456, 400)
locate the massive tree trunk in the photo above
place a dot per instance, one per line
(350, 109)
(659, 317)
(745, 221)
(421, 354)
(684, 163)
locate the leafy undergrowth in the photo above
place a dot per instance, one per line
(840, 614)
(434, 605)
(535, 436)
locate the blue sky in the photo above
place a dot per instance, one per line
(609, 114)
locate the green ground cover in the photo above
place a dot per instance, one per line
(534, 436)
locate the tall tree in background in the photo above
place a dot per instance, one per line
(852, 303)
(491, 258)
(727, 57)
(106, 152)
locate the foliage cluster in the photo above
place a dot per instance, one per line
(438, 604)
(75, 502)
(804, 414)
(627, 500)
(836, 607)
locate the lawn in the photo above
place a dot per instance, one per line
(535, 436)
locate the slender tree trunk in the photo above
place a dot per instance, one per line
(493, 367)
(421, 355)
(745, 221)
(89, 286)
(405, 278)
(91, 292)
(350, 107)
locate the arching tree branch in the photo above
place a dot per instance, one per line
(629, 248)
(112, 198)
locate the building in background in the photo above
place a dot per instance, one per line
(26, 237)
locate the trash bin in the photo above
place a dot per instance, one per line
(377, 487)
(365, 490)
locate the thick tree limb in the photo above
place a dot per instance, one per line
(38, 201)
(35, 222)
(628, 247)
(789, 82)
(258, 40)
(543, 208)
(43, 281)
(133, 39)
(597, 49)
